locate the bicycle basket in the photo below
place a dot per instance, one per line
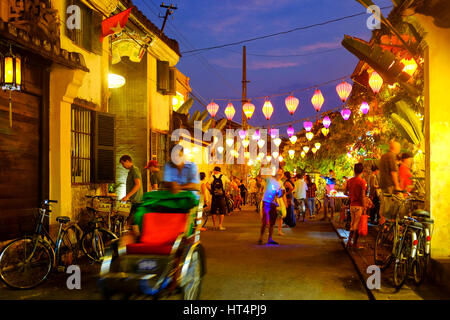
(102, 206)
(123, 209)
(393, 206)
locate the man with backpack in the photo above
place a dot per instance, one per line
(217, 185)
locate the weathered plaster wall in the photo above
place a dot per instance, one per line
(436, 95)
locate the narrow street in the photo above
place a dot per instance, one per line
(310, 263)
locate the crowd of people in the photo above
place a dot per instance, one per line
(277, 197)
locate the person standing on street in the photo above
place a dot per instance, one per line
(259, 191)
(311, 196)
(328, 200)
(133, 186)
(273, 191)
(389, 181)
(374, 191)
(289, 186)
(404, 172)
(300, 193)
(217, 185)
(356, 189)
(244, 191)
(155, 178)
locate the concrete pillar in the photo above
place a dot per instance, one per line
(64, 85)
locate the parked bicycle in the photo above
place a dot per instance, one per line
(300, 209)
(95, 240)
(404, 240)
(26, 262)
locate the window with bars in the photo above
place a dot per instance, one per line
(158, 148)
(81, 145)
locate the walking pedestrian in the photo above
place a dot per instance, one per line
(356, 189)
(244, 191)
(252, 188)
(311, 196)
(374, 195)
(259, 191)
(273, 191)
(206, 197)
(217, 185)
(134, 191)
(155, 178)
(289, 186)
(300, 188)
(328, 200)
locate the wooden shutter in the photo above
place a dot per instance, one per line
(172, 82)
(104, 152)
(96, 32)
(162, 70)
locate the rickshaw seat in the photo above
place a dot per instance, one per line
(159, 232)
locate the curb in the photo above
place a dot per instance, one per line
(361, 276)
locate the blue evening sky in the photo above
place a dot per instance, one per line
(218, 73)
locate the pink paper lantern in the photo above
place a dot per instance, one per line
(290, 131)
(364, 107)
(345, 113)
(307, 125)
(326, 122)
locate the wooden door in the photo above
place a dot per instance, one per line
(22, 171)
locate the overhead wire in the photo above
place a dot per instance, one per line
(282, 32)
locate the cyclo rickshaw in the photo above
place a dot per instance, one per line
(168, 257)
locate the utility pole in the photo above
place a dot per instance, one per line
(244, 100)
(169, 11)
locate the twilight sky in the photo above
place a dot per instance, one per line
(218, 73)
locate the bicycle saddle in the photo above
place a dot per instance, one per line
(63, 219)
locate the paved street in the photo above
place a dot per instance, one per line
(309, 263)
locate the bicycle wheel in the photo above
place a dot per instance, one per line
(420, 264)
(383, 247)
(69, 249)
(25, 263)
(95, 242)
(402, 261)
(193, 281)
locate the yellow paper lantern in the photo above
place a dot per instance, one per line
(325, 131)
(310, 135)
(375, 82)
(248, 108)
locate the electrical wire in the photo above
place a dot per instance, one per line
(281, 33)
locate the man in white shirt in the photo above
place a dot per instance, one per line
(300, 193)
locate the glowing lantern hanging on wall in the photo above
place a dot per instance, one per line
(345, 113)
(326, 122)
(267, 109)
(230, 111)
(11, 76)
(290, 131)
(317, 100)
(212, 108)
(291, 104)
(343, 90)
(307, 125)
(248, 108)
(375, 82)
(310, 135)
(364, 107)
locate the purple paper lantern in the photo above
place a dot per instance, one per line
(364, 107)
(290, 131)
(307, 125)
(257, 135)
(326, 122)
(242, 134)
(345, 113)
(274, 133)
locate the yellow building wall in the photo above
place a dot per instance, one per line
(437, 94)
(159, 104)
(65, 85)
